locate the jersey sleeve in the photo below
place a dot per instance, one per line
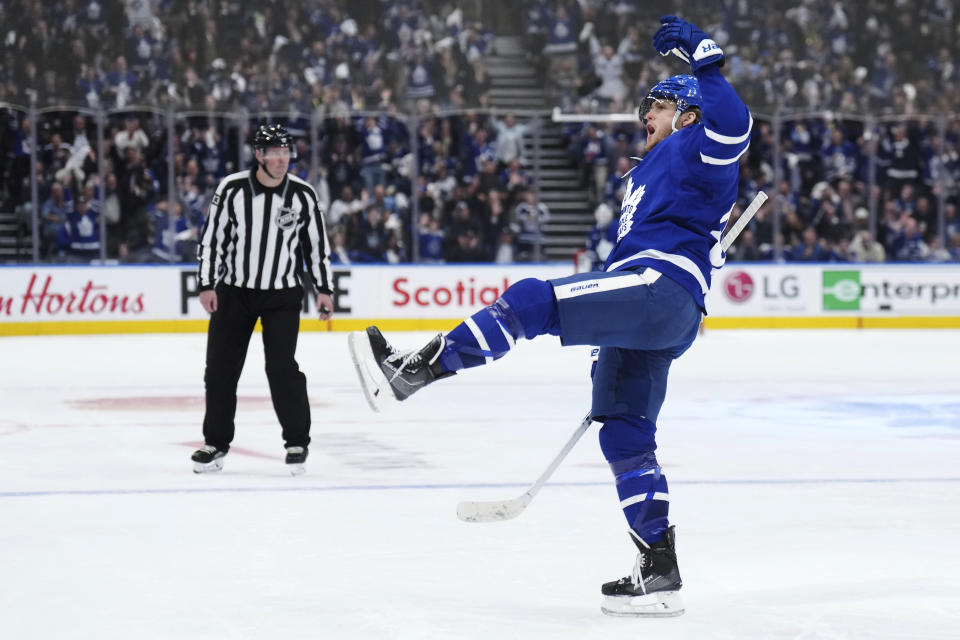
(314, 242)
(210, 250)
(727, 122)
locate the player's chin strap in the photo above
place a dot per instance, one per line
(673, 123)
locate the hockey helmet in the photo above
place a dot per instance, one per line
(273, 135)
(682, 89)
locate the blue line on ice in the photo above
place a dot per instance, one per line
(433, 487)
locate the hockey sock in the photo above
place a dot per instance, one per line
(641, 484)
(642, 488)
(527, 309)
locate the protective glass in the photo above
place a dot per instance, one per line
(647, 104)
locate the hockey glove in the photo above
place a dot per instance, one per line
(687, 42)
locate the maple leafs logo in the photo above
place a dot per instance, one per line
(630, 201)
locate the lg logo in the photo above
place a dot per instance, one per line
(738, 286)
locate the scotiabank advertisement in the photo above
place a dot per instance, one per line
(429, 291)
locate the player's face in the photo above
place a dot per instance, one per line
(659, 121)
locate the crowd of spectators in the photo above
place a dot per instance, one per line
(845, 59)
(296, 60)
(358, 66)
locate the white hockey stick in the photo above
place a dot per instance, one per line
(506, 509)
(742, 221)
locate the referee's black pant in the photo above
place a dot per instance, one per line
(228, 336)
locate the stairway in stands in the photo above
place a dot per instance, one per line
(514, 85)
(16, 245)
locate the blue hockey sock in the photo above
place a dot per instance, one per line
(479, 339)
(644, 498)
(628, 444)
(526, 309)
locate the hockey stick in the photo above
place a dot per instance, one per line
(742, 221)
(497, 510)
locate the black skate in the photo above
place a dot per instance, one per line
(296, 457)
(652, 589)
(386, 374)
(207, 459)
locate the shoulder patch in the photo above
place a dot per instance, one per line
(215, 200)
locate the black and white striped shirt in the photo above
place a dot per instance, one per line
(259, 237)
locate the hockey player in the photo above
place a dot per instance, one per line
(642, 311)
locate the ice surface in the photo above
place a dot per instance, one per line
(815, 485)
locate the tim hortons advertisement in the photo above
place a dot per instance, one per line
(78, 293)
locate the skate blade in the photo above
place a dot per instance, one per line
(297, 469)
(376, 388)
(662, 604)
(209, 467)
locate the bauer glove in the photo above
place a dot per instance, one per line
(685, 40)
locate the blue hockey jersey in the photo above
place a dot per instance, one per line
(678, 199)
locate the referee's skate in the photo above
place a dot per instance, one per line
(208, 459)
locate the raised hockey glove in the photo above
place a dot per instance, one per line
(685, 40)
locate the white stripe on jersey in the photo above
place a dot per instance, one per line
(719, 137)
(711, 160)
(682, 262)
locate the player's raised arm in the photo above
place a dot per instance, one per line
(726, 119)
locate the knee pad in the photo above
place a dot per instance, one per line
(528, 308)
(625, 437)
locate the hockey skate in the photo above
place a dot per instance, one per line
(207, 459)
(653, 588)
(296, 457)
(386, 374)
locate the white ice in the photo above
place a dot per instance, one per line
(814, 481)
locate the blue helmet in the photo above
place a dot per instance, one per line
(684, 90)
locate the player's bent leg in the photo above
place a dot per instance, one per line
(526, 309)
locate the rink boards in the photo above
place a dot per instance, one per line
(163, 298)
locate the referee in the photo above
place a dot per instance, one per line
(263, 226)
